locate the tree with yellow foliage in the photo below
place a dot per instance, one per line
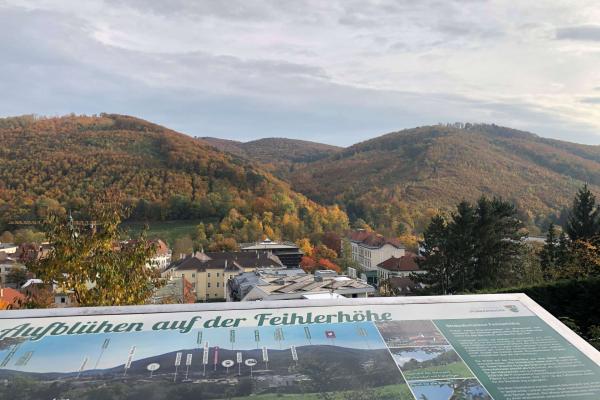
(89, 262)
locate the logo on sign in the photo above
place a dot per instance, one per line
(330, 334)
(153, 367)
(250, 362)
(227, 363)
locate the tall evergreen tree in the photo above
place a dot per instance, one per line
(549, 256)
(480, 247)
(584, 218)
(461, 244)
(434, 256)
(499, 243)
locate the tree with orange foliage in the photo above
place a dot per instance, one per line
(326, 264)
(308, 264)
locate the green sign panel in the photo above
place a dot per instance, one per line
(487, 347)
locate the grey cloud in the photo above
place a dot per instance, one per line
(591, 100)
(582, 32)
(53, 65)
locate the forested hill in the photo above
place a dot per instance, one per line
(64, 163)
(399, 179)
(278, 155)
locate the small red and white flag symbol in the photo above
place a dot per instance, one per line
(330, 334)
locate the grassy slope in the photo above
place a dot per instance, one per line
(168, 231)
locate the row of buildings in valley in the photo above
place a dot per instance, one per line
(267, 270)
(260, 271)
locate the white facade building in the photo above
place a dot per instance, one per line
(370, 249)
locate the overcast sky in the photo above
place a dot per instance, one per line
(330, 71)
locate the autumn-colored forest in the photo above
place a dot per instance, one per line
(397, 182)
(60, 164)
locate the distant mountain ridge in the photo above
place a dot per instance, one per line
(394, 182)
(278, 155)
(397, 180)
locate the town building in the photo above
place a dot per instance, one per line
(32, 251)
(399, 267)
(287, 252)
(8, 263)
(209, 272)
(8, 248)
(394, 275)
(274, 285)
(370, 248)
(177, 290)
(162, 253)
(401, 286)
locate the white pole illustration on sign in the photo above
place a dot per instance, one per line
(265, 356)
(10, 355)
(129, 358)
(279, 336)
(216, 359)
(24, 359)
(294, 354)
(307, 335)
(250, 362)
(104, 347)
(85, 360)
(238, 358)
(362, 332)
(227, 364)
(232, 337)
(188, 362)
(199, 342)
(177, 364)
(205, 351)
(257, 338)
(152, 367)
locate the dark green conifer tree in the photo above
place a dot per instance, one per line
(549, 256)
(434, 257)
(584, 217)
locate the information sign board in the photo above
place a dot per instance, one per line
(480, 347)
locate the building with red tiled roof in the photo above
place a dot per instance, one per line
(394, 274)
(399, 266)
(370, 248)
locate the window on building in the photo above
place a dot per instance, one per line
(208, 284)
(217, 284)
(63, 300)
(193, 275)
(208, 275)
(217, 274)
